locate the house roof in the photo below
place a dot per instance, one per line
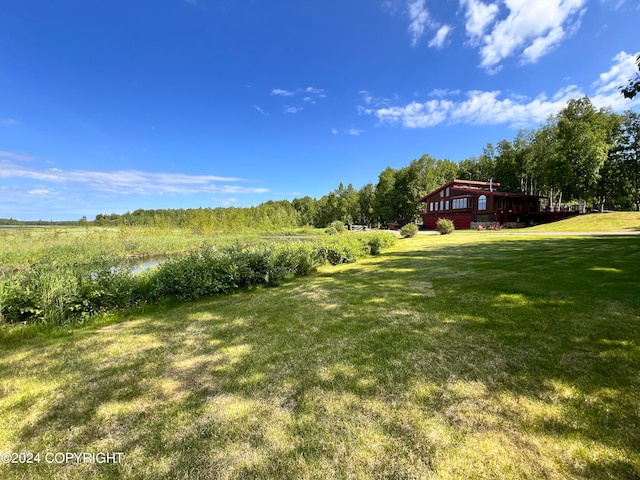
(457, 183)
(476, 187)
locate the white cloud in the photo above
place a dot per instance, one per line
(281, 92)
(292, 109)
(125, 182)
(355, 132)
(15, 156)
(541, 45)
(418, 19)
(260, 110)
(318, 91)
(40, 192)
(479, 16)
(366, 96)
(443, 92)
(495, 107)
(440, 37)
(530, 30)
(618, 75)
(334, 131)
(310, 96)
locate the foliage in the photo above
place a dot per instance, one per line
(444, 226)
(59, 293)
(55, 293)
(409, 230)
(268, 216)
(337, 225)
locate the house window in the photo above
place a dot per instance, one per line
(446, 205)
(447, 194)
(441, 205)
(482, 202)
(441, 193)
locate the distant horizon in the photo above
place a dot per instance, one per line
(121, 106)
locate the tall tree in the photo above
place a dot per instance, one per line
(629, 150)
(385, 204)
(306, 208)
(582, 147)
(366, 201)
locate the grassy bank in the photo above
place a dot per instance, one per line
(24, 246)
(594, 222)
(62, 291)
(463, 356)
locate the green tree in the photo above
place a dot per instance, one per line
(581, 141)
(306, 208)
(385, 204)
(629, 152)
(366, 202)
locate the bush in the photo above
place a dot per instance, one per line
(444, 226)
(377, 241)
(338, 225)
(331, 231)
(58, 293)
(409, 230)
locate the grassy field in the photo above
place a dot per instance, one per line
(21, 246)
(473, 355)
(594, 222)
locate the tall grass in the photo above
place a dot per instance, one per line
(58, 292)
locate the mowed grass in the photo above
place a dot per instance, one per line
(449, 357)
(594, 222)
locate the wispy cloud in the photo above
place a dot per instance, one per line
(495, 107)
(20, 157)
(282, 92)
(9, 122)
(530, 30)
(259, 110)
(125, 182)
(418, 19)
(292, 109)
(440, 38)
(618, 75)
(354, 132)
(305, 96)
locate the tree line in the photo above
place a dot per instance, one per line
(581, 155)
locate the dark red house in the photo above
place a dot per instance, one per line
(470, 204)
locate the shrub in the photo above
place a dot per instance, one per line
(59, 293)
(409, 230)
(331, 231)
(444, 226)
(377, 241)
(338, 225)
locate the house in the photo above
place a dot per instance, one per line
(471, 204)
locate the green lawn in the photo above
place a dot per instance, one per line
(594, 222)
(461, 356)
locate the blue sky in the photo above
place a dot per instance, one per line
(113, 106)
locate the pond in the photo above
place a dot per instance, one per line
(142, 264)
